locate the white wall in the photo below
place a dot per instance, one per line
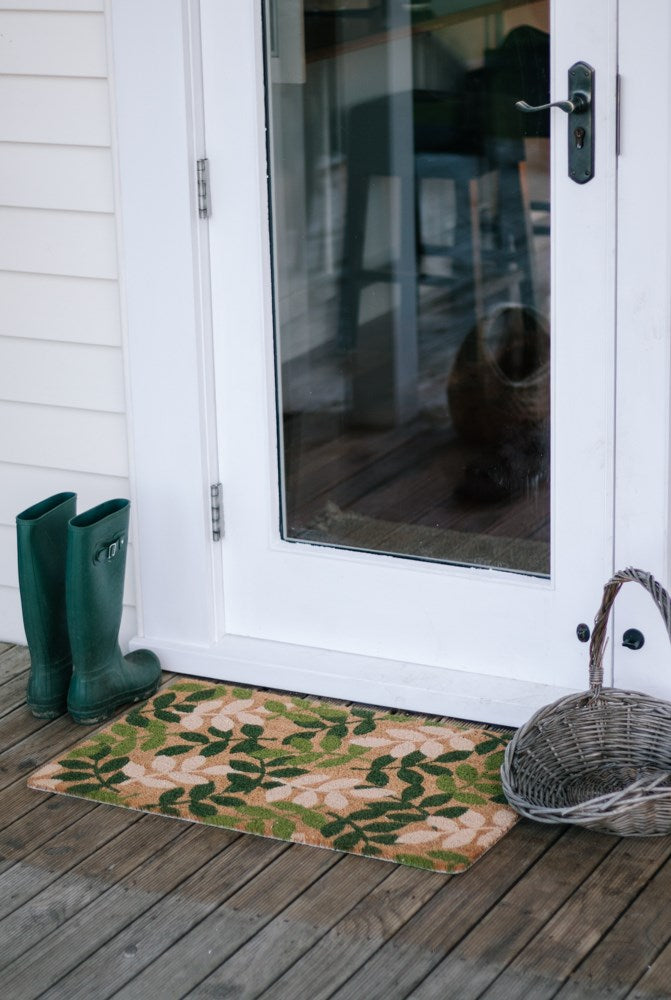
(62, 408)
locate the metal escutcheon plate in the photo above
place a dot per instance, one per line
(581, 124)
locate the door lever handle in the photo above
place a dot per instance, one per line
(575, 104)
(579, 106)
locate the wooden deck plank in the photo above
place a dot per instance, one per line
(13, 660)
(408, 957)
(17, 800)
(104, 894)
(357, 936)
(472, 965)
(585, 918)
(13, 693)
(294, 931)
(614, 966)
(31, 742)
(62, 853)
(654, 984)
(231, 925)
(60, 901)
(48, 818)
(151, 935)
(4, 646)
(28, 742)
(15, 727)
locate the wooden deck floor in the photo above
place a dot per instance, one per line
(98, 902)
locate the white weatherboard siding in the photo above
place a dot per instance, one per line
(62, 405)
(59, 5)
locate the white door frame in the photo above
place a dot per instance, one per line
(163, 265)
(643, 420)
(478, 619)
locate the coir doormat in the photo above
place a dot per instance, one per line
(403, 788)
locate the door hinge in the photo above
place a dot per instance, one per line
(203, 178)
(215, 512)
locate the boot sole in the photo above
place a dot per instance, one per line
(46, 713)
(103, 713)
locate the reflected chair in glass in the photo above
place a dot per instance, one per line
(415, 136)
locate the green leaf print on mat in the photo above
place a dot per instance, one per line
(399, 787)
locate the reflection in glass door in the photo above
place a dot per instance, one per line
(411, 253)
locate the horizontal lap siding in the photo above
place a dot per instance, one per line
(57, 437)
(22, 483)
(61, 374)
(54, 110)
(79, 244)
(62, 404)
(51, 5)
(52, 43)
(75, 178)
(60, 307)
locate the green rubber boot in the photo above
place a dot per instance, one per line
(41, 536)
(102, 678)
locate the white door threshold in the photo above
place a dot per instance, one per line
(364, 679)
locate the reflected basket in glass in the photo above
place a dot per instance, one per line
(600, 759)
(499, 383)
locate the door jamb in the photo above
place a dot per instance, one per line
(164, 280)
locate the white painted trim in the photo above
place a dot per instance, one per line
(643, 429)
(367, 679)
(167, 340)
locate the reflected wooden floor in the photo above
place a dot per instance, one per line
(101, 902)
(410, 476)
(417, 473)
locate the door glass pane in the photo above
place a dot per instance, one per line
(410, 205)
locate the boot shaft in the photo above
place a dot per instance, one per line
(102, 678)
(41, 535)
(95, 568)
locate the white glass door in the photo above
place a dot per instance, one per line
(414, 316)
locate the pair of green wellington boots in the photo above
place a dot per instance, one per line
(71, 577)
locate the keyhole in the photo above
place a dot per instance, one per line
(579, 136)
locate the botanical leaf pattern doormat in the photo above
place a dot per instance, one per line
(402, 788)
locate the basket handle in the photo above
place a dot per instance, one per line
(610, 592)
(476, 341)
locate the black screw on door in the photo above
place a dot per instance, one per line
(583, 632)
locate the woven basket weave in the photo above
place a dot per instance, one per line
(601, 759)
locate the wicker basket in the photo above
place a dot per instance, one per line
(601, 759)
(499, 383)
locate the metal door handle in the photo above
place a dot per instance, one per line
(580, 109)
(576, 102)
